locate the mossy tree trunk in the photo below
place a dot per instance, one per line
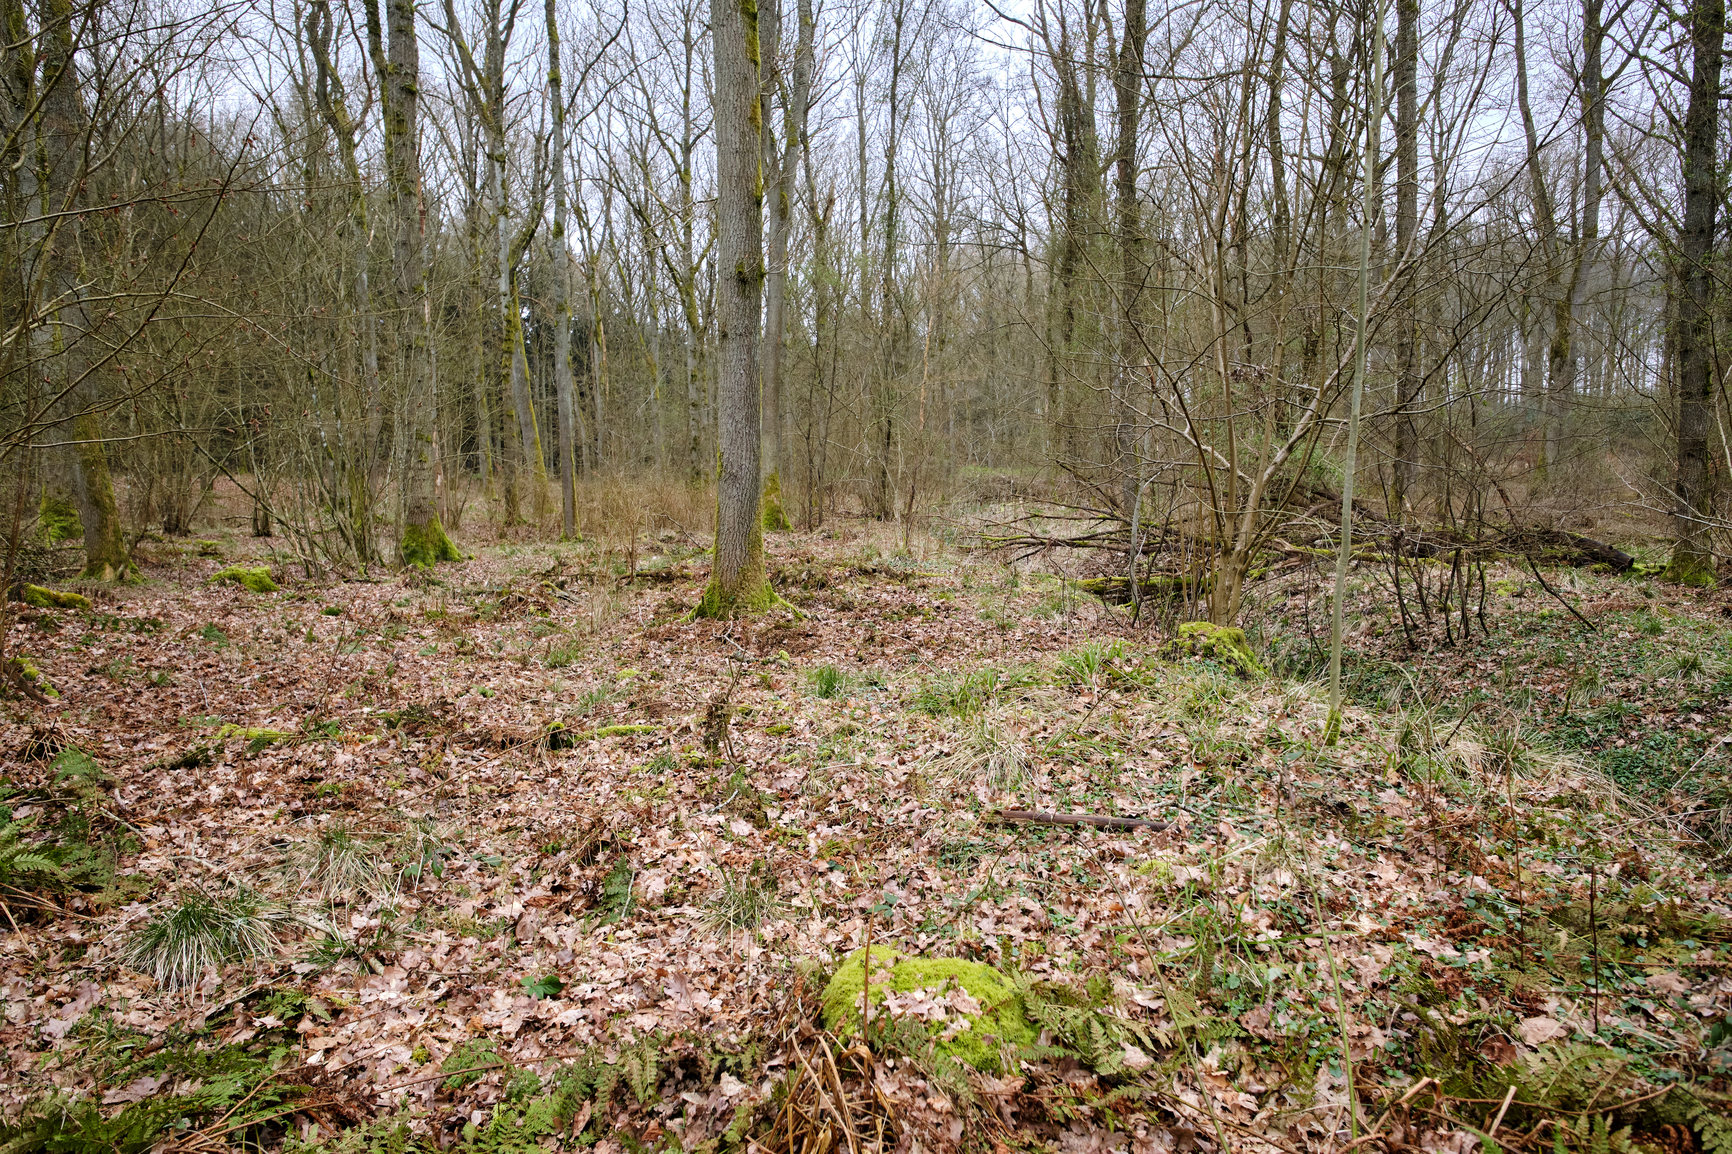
(739, 582)
(65, 127)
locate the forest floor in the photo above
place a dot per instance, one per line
(514, 856)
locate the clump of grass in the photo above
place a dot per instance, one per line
(828, 682)
(1085, 664)
(968, 695)
(344, 864)
(743, 902)
(199, 931)
(997, 759)
(564, 654)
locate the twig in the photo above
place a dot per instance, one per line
(1491, 1131)
(1560, 597)
(1039, 817)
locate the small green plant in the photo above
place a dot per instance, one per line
(617, 890)
(198, 931)
(423, 851)
(743, 902)
(968, 695)
(214, 635)
(24, 864)
(469, 1062)
(1085, 664)
(543, 987)
(828, 682)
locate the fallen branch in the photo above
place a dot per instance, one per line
(1037, 817)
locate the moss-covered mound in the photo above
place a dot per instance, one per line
(44, 598)
(968, 1035)
(253, 580)
(1221, 644)
(22, 672)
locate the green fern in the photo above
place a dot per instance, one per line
(641, 1066)
(1713, 1130)
(23, 865)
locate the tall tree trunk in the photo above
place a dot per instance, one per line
(1406, 78)
(421, 539)
(357, 459)
(1361, 342)
(795, 96)
(1593, 114)
(1128, 92)
(1548, 398)
(65, 129)
(739, 582)
(563, 386)
(1692, 561)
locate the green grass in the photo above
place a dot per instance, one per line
(344, 865)
(828, 682)
(199, 931)
(744, 901)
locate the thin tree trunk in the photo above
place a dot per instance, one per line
(563, 386)
(1128, 91)
(1406, 78)
(1362, 338)
(795, 95)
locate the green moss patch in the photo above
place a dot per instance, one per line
(256, 739)
(22, 670)
(59, 519)
(968, 1035)
(424, 546)
(253, 580)
(40, 597)
(1221, 644)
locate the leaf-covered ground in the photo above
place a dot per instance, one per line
(516, 855)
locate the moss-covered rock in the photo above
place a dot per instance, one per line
(253, 580)
(44, 598)
(59, 519)
(969, 1035)
(1223, 644)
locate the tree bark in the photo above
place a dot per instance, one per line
(795, 96)
(1406, 82)
(64, 127)
(738, 582)
(421, 538)
(1692, 560)
(563, 386)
